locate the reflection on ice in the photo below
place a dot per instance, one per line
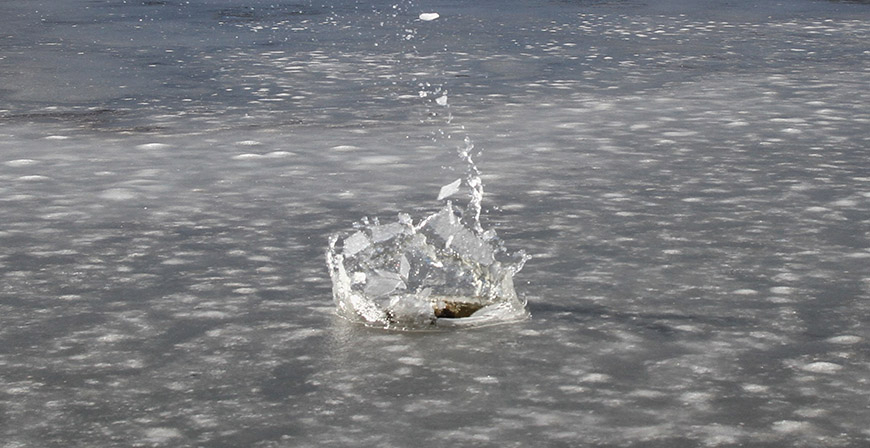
(441, 271)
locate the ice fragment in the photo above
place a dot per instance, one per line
(355, 243)
(449, 189)
(386, 231)
(382, 283)
(410, 311)
(357, 278)
(404, 267)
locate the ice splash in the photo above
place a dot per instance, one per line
(443, 271)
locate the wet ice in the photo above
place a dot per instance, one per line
(197, 311)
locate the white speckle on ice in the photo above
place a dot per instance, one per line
(17, 390)
(344, 148)
(248, 143)
(57, 137)
(112, 337)
(20, 162)
(279, 154)
(681, 133)
(152, 146)
(34, 177)
(244, 291)
(817, 209)
(596, 378)
(572, 389)
(786, 277)
(790, 426)
(858, 255)
(212, 314)
(845, 339)
(822, 367)
(788, 120)
(411, 361)
(811, 412)
(696, 397)
(429, 16)
(247, 156)
(403, 371)
(746, 292)
(489, 379)
(736, 123)
(845, 203)
(441, 100)
(782, 290)
(755, 388)
(161, 435)
(118, 194)
(449, 189)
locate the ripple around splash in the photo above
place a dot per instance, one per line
(443, 271)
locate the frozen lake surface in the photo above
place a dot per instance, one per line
(693, 182)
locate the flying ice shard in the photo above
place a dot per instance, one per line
(449, 189)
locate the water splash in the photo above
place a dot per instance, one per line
(442, 271)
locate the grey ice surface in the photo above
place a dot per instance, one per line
(693, 179)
